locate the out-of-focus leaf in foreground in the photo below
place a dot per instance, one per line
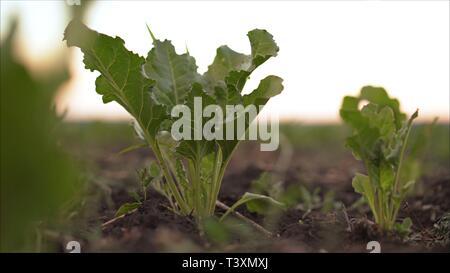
(36, 176)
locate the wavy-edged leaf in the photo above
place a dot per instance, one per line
(227, 75)
(226, 60)
(174, 74)
(379, 96)
(232, 69)
(121, 78)
(268, 87)
(263, 46)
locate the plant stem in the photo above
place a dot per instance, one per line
(170, 182)
(117, 218)
(400, 163)
(214, 181)
(197, 190)
(216, 187)
(395, 208)
(144, 191)
(242, 217)
(374, 206)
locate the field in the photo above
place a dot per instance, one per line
(179, 176)
(312, 168)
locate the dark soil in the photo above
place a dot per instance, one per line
(346, 228)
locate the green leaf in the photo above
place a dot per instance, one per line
(383, 120)
(387, 176)
(408, 185)
(353, 144)
(227, 75)
(262, 184)
(361, 184)
(231, 69)
(132, 148)
(379, 96)
(121, 78)
(127, 208)
(216, 231)
(227, 96)
(263, 46)
(268, 88)
(394, 152)
(207, 165)
(154, 169)
(196, 149)
(174, 74)
(255, 203)
(350, 113)
(226, 60)
(291, 196)
(350, 103)
(135, 196)
(404, 228)
(144, 177)
(39, 180)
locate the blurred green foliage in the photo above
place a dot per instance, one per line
(312, 137)
(429, 142)
(97, 133)
(37, 178)
(293, 196)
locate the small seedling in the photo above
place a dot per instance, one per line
(379, 140)
(147, 177)
(294, 196)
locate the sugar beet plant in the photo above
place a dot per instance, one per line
(148, 88)
(379, 140)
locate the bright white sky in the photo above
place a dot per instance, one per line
(327, 49)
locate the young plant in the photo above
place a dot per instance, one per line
(149, 88)
(379, 140)
(294, 196)
(147, 177)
